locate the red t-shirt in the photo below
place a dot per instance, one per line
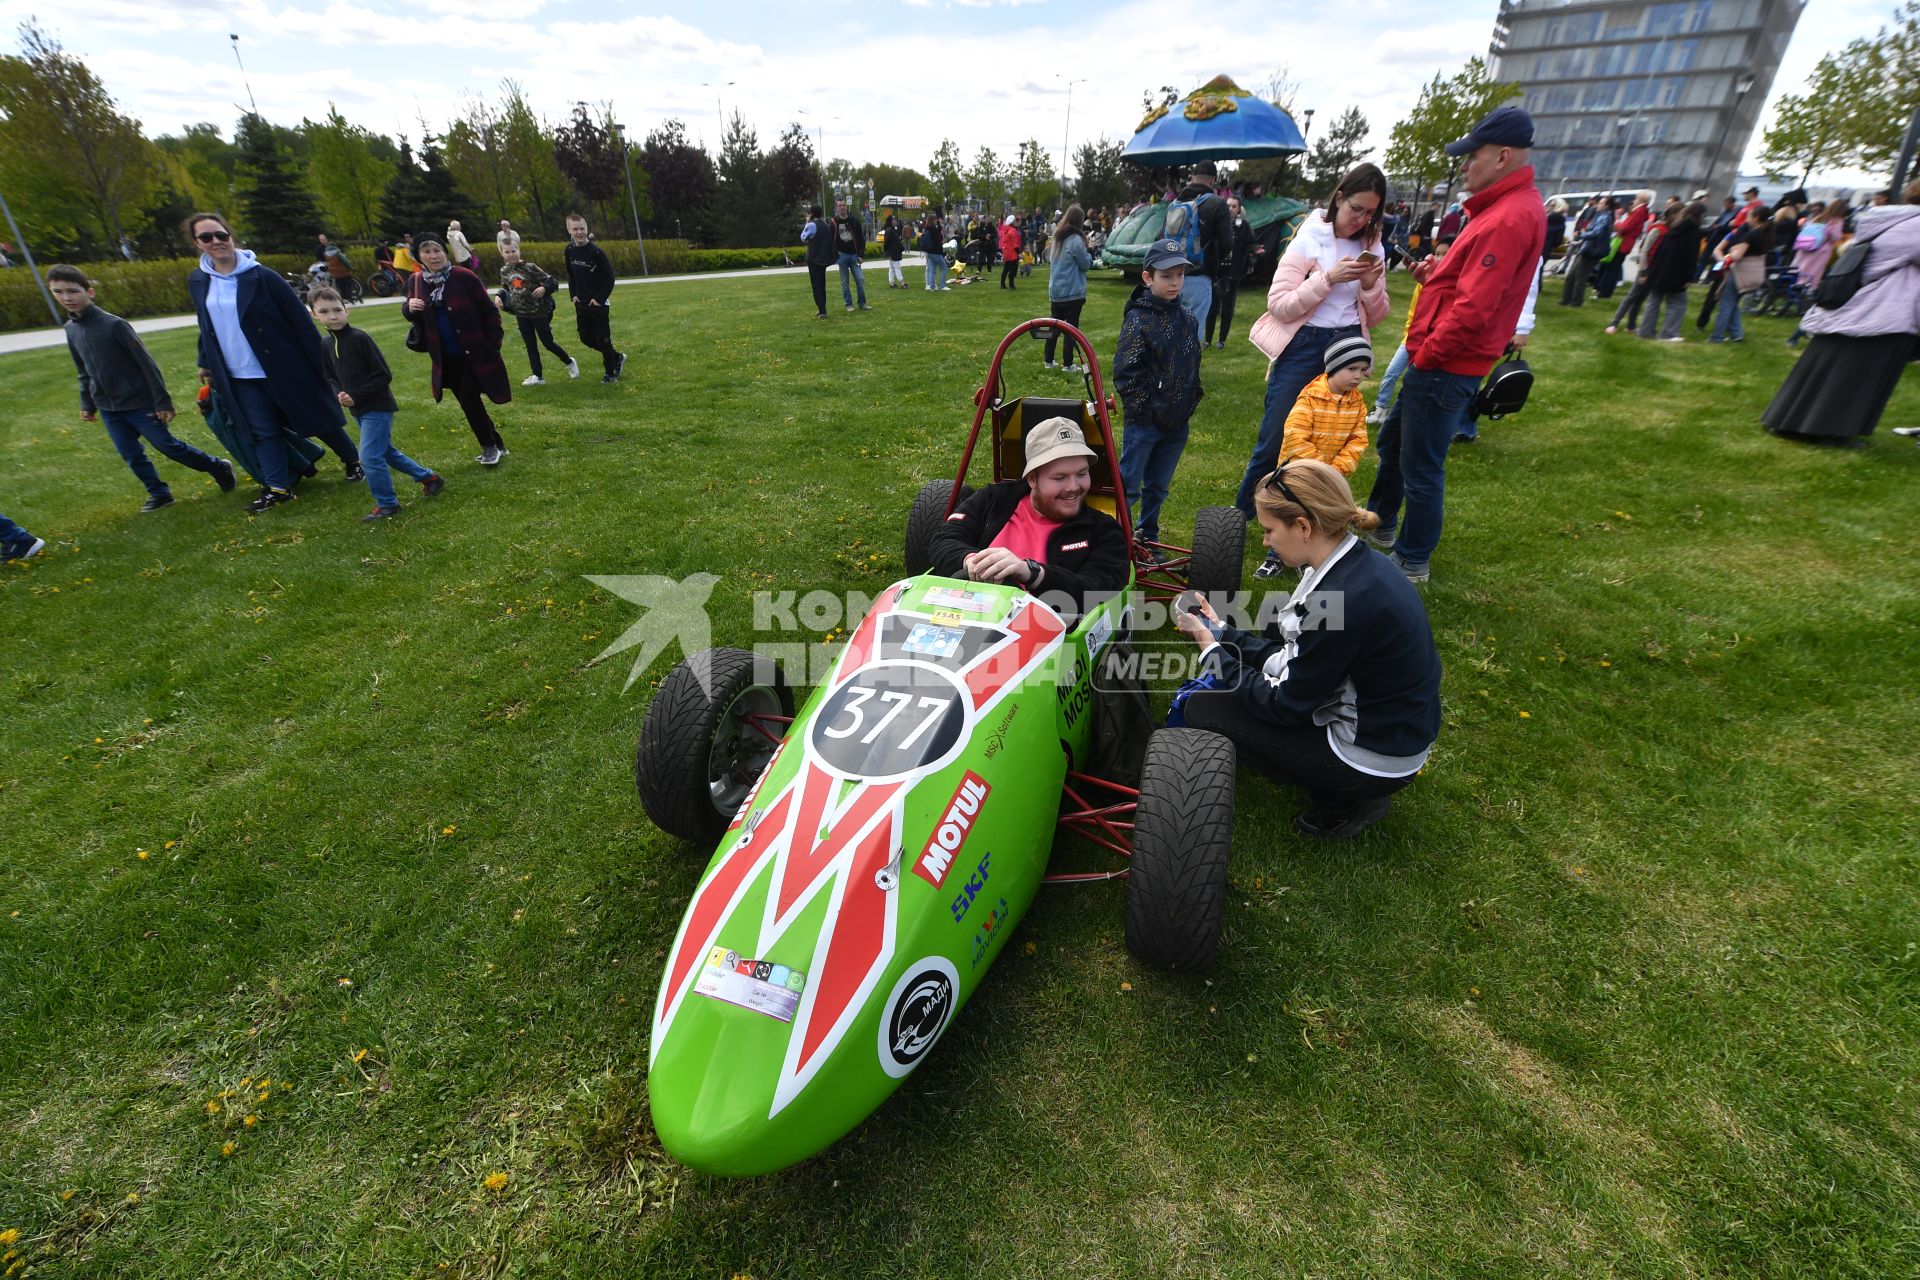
(1026, 532)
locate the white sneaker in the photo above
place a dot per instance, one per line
(40, 544)
(1051, 365)
(533, 380)
(1373, 417)
(573, 368)
(1073, 368)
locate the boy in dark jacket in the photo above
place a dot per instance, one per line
(121, 385)
(590, 283)
(527, 294)
(1156, 371)
(363, 384)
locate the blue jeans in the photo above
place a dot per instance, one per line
(14, 540)
(1390, 381)
(850, 262)
(1196, 298)
(1727, 321)
(377, 455)
(1302, 362)
(936, 270)
(126, 430)
(1148, 455)
(1413, 457)
(262, 419)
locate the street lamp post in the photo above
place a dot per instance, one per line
(719, 110)
(32, 266)
(633, 205)
(1305, 133)
(1065, 134)
(243, 72)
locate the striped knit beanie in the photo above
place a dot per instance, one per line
(1346, 351)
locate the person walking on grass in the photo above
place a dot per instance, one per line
(1009, 252)
(1742, 259)
(893, 242)
(817, 235)
(933, 248)
(1330, 284)
(260, 352)
(850, 252)
(16, 543)
(527, 294)
(1470, 309)
(1627, 314)
(363, 384)
(458, 325)
(1591, 243)
(1668, 273)
(121, 385)
(459, 251)
(1235, 257)
(590, 285)
(1067, 280)
(506, 238)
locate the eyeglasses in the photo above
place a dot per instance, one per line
(208, 237)
(1278, 480)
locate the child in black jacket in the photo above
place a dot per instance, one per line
(590, 284)
(361, 380)
(1156, 372)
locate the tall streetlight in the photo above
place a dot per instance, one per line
(633, 205)
(718, 109)
(1066, 133)
(243, 72)
(820, 133)
(1305, 133)
(32, 266)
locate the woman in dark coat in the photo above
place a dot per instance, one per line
(1668, 273)
(261, 354)
(460, 327)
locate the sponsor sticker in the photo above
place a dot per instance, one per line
(976, 882)
(1075, 546)
(955, 598)
(946, 618)
(950, 834)
(759, 985)
(1098, 634)
(990, 929)
(933, 641)
(917, 1011)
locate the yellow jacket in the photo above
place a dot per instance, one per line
(1327, 427)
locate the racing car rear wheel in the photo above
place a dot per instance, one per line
(928, 513)
(1182, 832)
(1219, 550)
(700, 750)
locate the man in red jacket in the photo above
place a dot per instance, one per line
(1469, 306)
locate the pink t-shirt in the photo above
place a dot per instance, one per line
(1025, 534)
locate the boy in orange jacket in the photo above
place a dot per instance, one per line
(1328, 422)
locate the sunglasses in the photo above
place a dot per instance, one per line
(1278, 480)
(208, 237)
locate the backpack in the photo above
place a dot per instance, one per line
(1844, 276)
(1810, 239)
(1505, 390)
(1183, 224)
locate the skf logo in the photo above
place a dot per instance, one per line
(952, 830)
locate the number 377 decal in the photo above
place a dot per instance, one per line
(891, 719)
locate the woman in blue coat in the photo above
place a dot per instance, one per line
(262, 355)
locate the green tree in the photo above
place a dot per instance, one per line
(1341, 147)
(208, 161)
(277, 211)
(1033, 181)
(529, 147)
(1448, 108)
(1856, 106)
(422, 197)
(592, 160)
(1100, 179)
(987, 180)
(680, 180)
(945, 174)
(794, 178)
(741, 211)
(476, 148)
(347, 174)
(892, 179)
(64, 127)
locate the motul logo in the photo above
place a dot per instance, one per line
(948, 837)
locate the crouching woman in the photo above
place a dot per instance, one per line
(1345, 703)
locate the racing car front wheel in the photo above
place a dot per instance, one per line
(1182, 832)
(1219, 550)
(705, 742)
(928, 513)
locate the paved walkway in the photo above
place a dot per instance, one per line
(38, 339)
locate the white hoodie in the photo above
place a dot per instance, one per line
(223, 309)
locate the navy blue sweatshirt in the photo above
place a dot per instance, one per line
(589, 273)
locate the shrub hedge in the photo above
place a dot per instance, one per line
(158, 288)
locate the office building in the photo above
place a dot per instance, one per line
(1628, 94)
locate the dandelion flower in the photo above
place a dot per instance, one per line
(140, 854)
(448, 830)
(251, 1121)
(1526, 715)
(361, 1056)
(68, 1195)
(10, 1236)
(1126, 986)
(1032, 949)
(169, 844)
(245, 1081)
(1605, 663)
(262, 1095)
(346, 982)
(213, 1108)
(495, 1181)
(229, 1148)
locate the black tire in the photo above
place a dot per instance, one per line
(928, 513)
(697, 759)
(1219, 550)
(1182, 834)
(382, 286)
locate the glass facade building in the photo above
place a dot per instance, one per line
(1626, 94)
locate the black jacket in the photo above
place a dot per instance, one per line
(849, 236)
(284, 340)
(116, 372)
(890, 238)
(933, 233)
(1676, 258)
(356, 366)
(1363, 664)
(1240, 255)
(589, 273)
(1086, 556)
(1156, 362)
(820, 250)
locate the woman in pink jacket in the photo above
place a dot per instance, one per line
(1837, 391)
(1330, 284)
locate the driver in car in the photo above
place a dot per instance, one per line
(1038, 531)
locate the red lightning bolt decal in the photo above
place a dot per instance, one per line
(710, 902)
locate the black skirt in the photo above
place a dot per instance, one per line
(1840, 387)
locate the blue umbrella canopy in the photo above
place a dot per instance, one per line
(1217, 121)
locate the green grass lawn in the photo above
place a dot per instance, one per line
(1626, 985)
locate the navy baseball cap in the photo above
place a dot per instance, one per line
(1503, 127)
(1166, 253)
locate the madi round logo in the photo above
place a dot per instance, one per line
(917, 1012)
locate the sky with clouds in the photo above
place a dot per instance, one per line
(883, 82)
